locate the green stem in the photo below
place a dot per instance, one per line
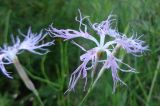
(7, 26)
(92, 80)
(43, 80)
(93, 85)
(99, 75)
(43, 69)
(141, 86)
(153, 82)
(94, 69)
(85, 97)
(26, 79)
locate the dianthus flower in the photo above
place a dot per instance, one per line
(103, 29)
(31, 43)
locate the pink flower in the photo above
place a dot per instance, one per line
(30, 43)
(103, 29)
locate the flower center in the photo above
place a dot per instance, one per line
(100, 54)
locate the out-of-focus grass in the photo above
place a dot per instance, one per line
(51, 72)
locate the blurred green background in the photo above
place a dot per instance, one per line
(50, 73)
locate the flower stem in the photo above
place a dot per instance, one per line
(85, 97)
(153, 82)
(99, 75)
(94, 68)
(42, 67)
(93, 83)
(26, 79)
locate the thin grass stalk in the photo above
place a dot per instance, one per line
(43, 68)
(54, 85)
(153, 82)
(7, 19)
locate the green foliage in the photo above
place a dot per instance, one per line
(5, 100)
(50, 73)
